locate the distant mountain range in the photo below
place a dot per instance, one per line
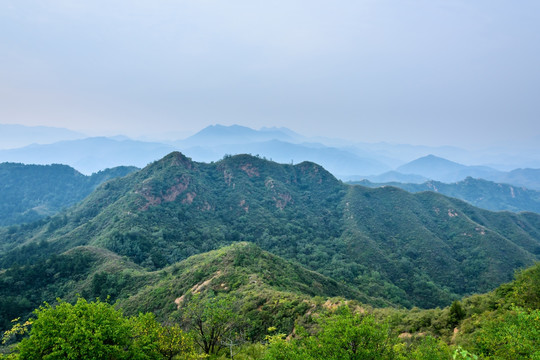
(435, 168)
(14, 136)
(481, 193)
(210, 144)
(89, 155)
(390, 177)
(335, 160)
(378, 163)
(235, 134)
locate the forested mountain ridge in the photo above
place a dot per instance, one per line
(412, 249)
(253, 276)
(31, 192)
(478, 192)
(270, 295)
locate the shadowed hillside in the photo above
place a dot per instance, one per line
(32, 192)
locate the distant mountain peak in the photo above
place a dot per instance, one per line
(214, 135)
(430, 166)
(437, 168)
(433, 158)
(221, 130)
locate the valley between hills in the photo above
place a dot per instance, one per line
(289, 249)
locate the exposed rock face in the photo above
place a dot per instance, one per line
(170, 194)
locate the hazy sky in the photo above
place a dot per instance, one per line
(428, 72)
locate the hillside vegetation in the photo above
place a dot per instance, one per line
(270, 290)
(240, 293)
(32, 192)
(421, 250)
(249, 259)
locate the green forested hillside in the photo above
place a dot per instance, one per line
(280, 290)
(412, 249)
(24, 288)
(478, 192)
(240, 293)
(31, 192)
(503, 324)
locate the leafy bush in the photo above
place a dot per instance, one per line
(96, 330)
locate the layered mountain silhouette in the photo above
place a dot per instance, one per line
(89, 155)
(14, 136)
(235, 134)
(379, 162)
(436, 168)
(478, 192)
(420, 249)
(432, 167)
(335, 160)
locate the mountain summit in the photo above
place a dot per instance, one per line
(414, 249)
(440, 169)
(235, 134)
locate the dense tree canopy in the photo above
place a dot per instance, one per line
(96, 330)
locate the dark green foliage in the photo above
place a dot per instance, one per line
(430, 246)
(456, 313)
(488, 326)
(31, 192)
(424, 249)
(87, 271)
(98, 331)
(22, 289)
(107, 285)
(269, 290)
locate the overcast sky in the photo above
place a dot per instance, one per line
(456, 72)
